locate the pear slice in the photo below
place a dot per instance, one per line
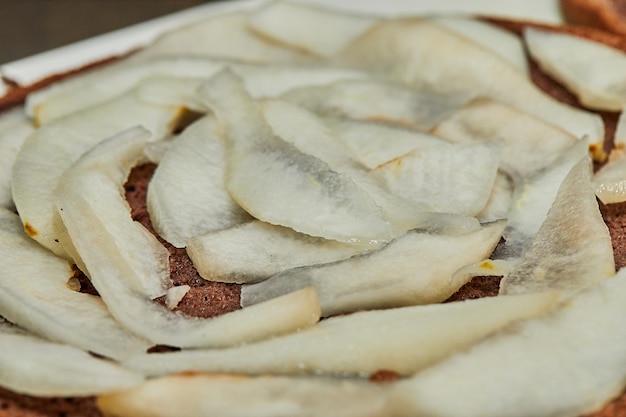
(572, 249)
(379, 100)
(52, 149)
(500, 200)
(187, 194)
(413, 269)
(403, 50)
(14, 128)
(592, 71)
(194, 395)
(34, 366)
(401, 340)
(298, 25)
(610, 181)
(528, 143)
(35, 295)
(570, 362)
(129, 267)
(256, 250)
(263, 169)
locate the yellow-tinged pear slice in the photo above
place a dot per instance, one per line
(570, 362)
(592, 71)
(403, 50)
(194, 395)
(572, 249)
(413, 269)
(129, 267)
(402, 340)
(14, 128)
(50, 150)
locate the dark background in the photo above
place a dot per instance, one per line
(31, 26)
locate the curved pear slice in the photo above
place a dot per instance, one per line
(570, 362)
(528, 143)
(52, 149)
(298, 26)
(35, 295)
(401, 340)
(14, 129)
(256, 250)
(572, 249)
(403, 50)
(592, 71)
(35, 366)
(500, 200)
(194, 395)
(277, 183)
(413, 269)
(187, 194)
(129, 267)
(379, 101)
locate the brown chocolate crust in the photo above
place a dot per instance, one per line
(608, 15)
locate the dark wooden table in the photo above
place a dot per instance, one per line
(31, 26)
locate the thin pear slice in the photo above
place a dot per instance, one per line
(445, 179)
(402, 340)
(263, 169)
(568, 363)
(414, 269)
(129, 267)
(298, 25)
(572, 249)
(254, 251)
(592, 71)
(500, 200)
(195, 395)
(35, 295)
(378, 100)
(497, 40)
(527, 142)
(403, 50)
(34, 366)
(52, 149)
(187, 194)
(14, 129)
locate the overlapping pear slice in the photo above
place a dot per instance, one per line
(254, 251)
(35, 295)
(497, 40)
(194, 395)
(500, 200)
(446, 178)
(609, 181)
(263, 169)
(572, 249)
(379, 100)
(298, 25)
(52, 149)
(413, 269)
(14, 128)
(129, 267)
(403, 50)
(592, 71)
(568, 363)
(187, 194)
(34, 366)
(527, 143)
(401, 340)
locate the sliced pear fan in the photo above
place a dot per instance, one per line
(299, 25)
(413, 269)
(572, 249)
(527, 142)
(403, 50)
(129, 267)
(14, 128)
(193, 395)
(570, 362)
(187, 194)
(256, 250)
(362, 343)
(592, 71)
(52, 149)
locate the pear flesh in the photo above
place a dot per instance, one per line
(14, 129)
